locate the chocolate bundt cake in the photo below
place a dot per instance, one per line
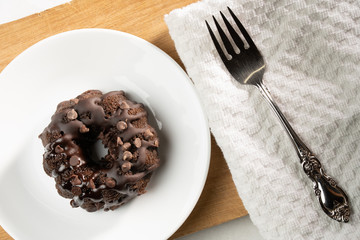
(77, 129)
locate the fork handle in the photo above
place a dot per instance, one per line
(332, 198)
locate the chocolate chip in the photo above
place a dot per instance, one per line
(74, 204)
(58, 149)
(127, 155)
(126, 146)
(91, 184)
(76, 190)
(84, 129)
(137, 142)
(156, 143)
(74, 101)
(148, 134)
(74, 160)
(75, 180)
(126, 166)
(119, 141)
(72, 115)
(121, 125)
(124, 105)
(110, 182)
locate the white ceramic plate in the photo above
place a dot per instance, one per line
(60, 68)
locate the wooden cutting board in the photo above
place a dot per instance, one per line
(219, 201)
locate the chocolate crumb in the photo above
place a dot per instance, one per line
(75, 180)
(76, 190)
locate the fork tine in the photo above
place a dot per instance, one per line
(242, 29)
(238, 41)
(229, 48)
(216, 43)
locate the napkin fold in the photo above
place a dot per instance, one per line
(312, 51)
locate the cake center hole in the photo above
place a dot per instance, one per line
(99, 150)
(95, 152)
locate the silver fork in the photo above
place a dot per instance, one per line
(248, 67)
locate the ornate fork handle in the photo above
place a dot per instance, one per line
(332, 198)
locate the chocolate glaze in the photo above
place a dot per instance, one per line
(69, 152)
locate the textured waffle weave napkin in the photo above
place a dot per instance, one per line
(312, 51)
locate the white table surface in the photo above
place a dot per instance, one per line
(239, 229)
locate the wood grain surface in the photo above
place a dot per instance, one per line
(219, 201)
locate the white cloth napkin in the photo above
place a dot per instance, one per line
(312, 50)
